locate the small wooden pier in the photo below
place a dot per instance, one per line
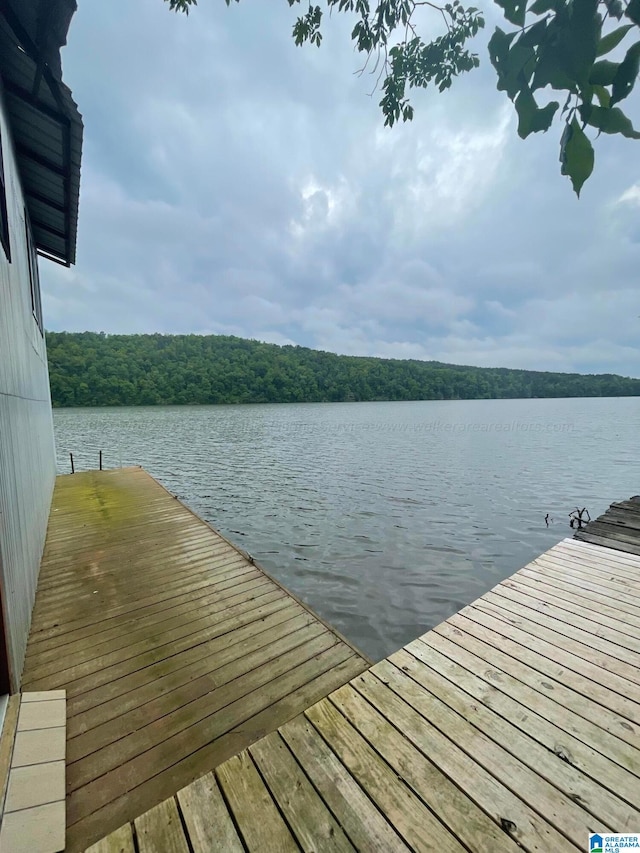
(175, 650)
(514, 725)
(618, 527)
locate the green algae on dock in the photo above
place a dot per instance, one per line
(175, 649)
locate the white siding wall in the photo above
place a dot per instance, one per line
(27, 458)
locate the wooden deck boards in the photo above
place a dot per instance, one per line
(175, 650)
(514, 725)
(618, 528)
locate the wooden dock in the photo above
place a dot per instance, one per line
(514, 725)
(618, 527)
(175, 650)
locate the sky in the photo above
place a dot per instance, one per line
(233, 183)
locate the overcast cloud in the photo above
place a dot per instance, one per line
(233, 183)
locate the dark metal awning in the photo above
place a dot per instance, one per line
(47, 132)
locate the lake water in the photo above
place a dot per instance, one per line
(385, 518)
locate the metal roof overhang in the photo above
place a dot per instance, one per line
(47, 132)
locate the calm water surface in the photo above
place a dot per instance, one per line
(385, 518)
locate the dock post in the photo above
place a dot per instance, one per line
(101, 460)
(73, 470)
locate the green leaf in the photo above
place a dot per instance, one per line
(534, 35)
(604, 72)
(568, 51)
(514, 10)
(602, 95)
(542, 6)
(627, 73)
(614, 8)
(587, 93)
(512, 77)
(613, 39)
(612, 121)
(499, 45)
(633, 11)
(576, 155)
(579, 39)
(509, 61)
(532, 118)
(548, 72)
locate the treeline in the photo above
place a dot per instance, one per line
(95, 369)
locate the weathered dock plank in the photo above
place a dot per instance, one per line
(306, 813)
(618, 528)
(242, 784)
(514, 725)
(175, 649)
(206, 817)
(160, 830)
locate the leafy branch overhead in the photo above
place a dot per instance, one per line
(583, 50)
(562, 46)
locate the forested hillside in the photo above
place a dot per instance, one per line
(91, 369)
